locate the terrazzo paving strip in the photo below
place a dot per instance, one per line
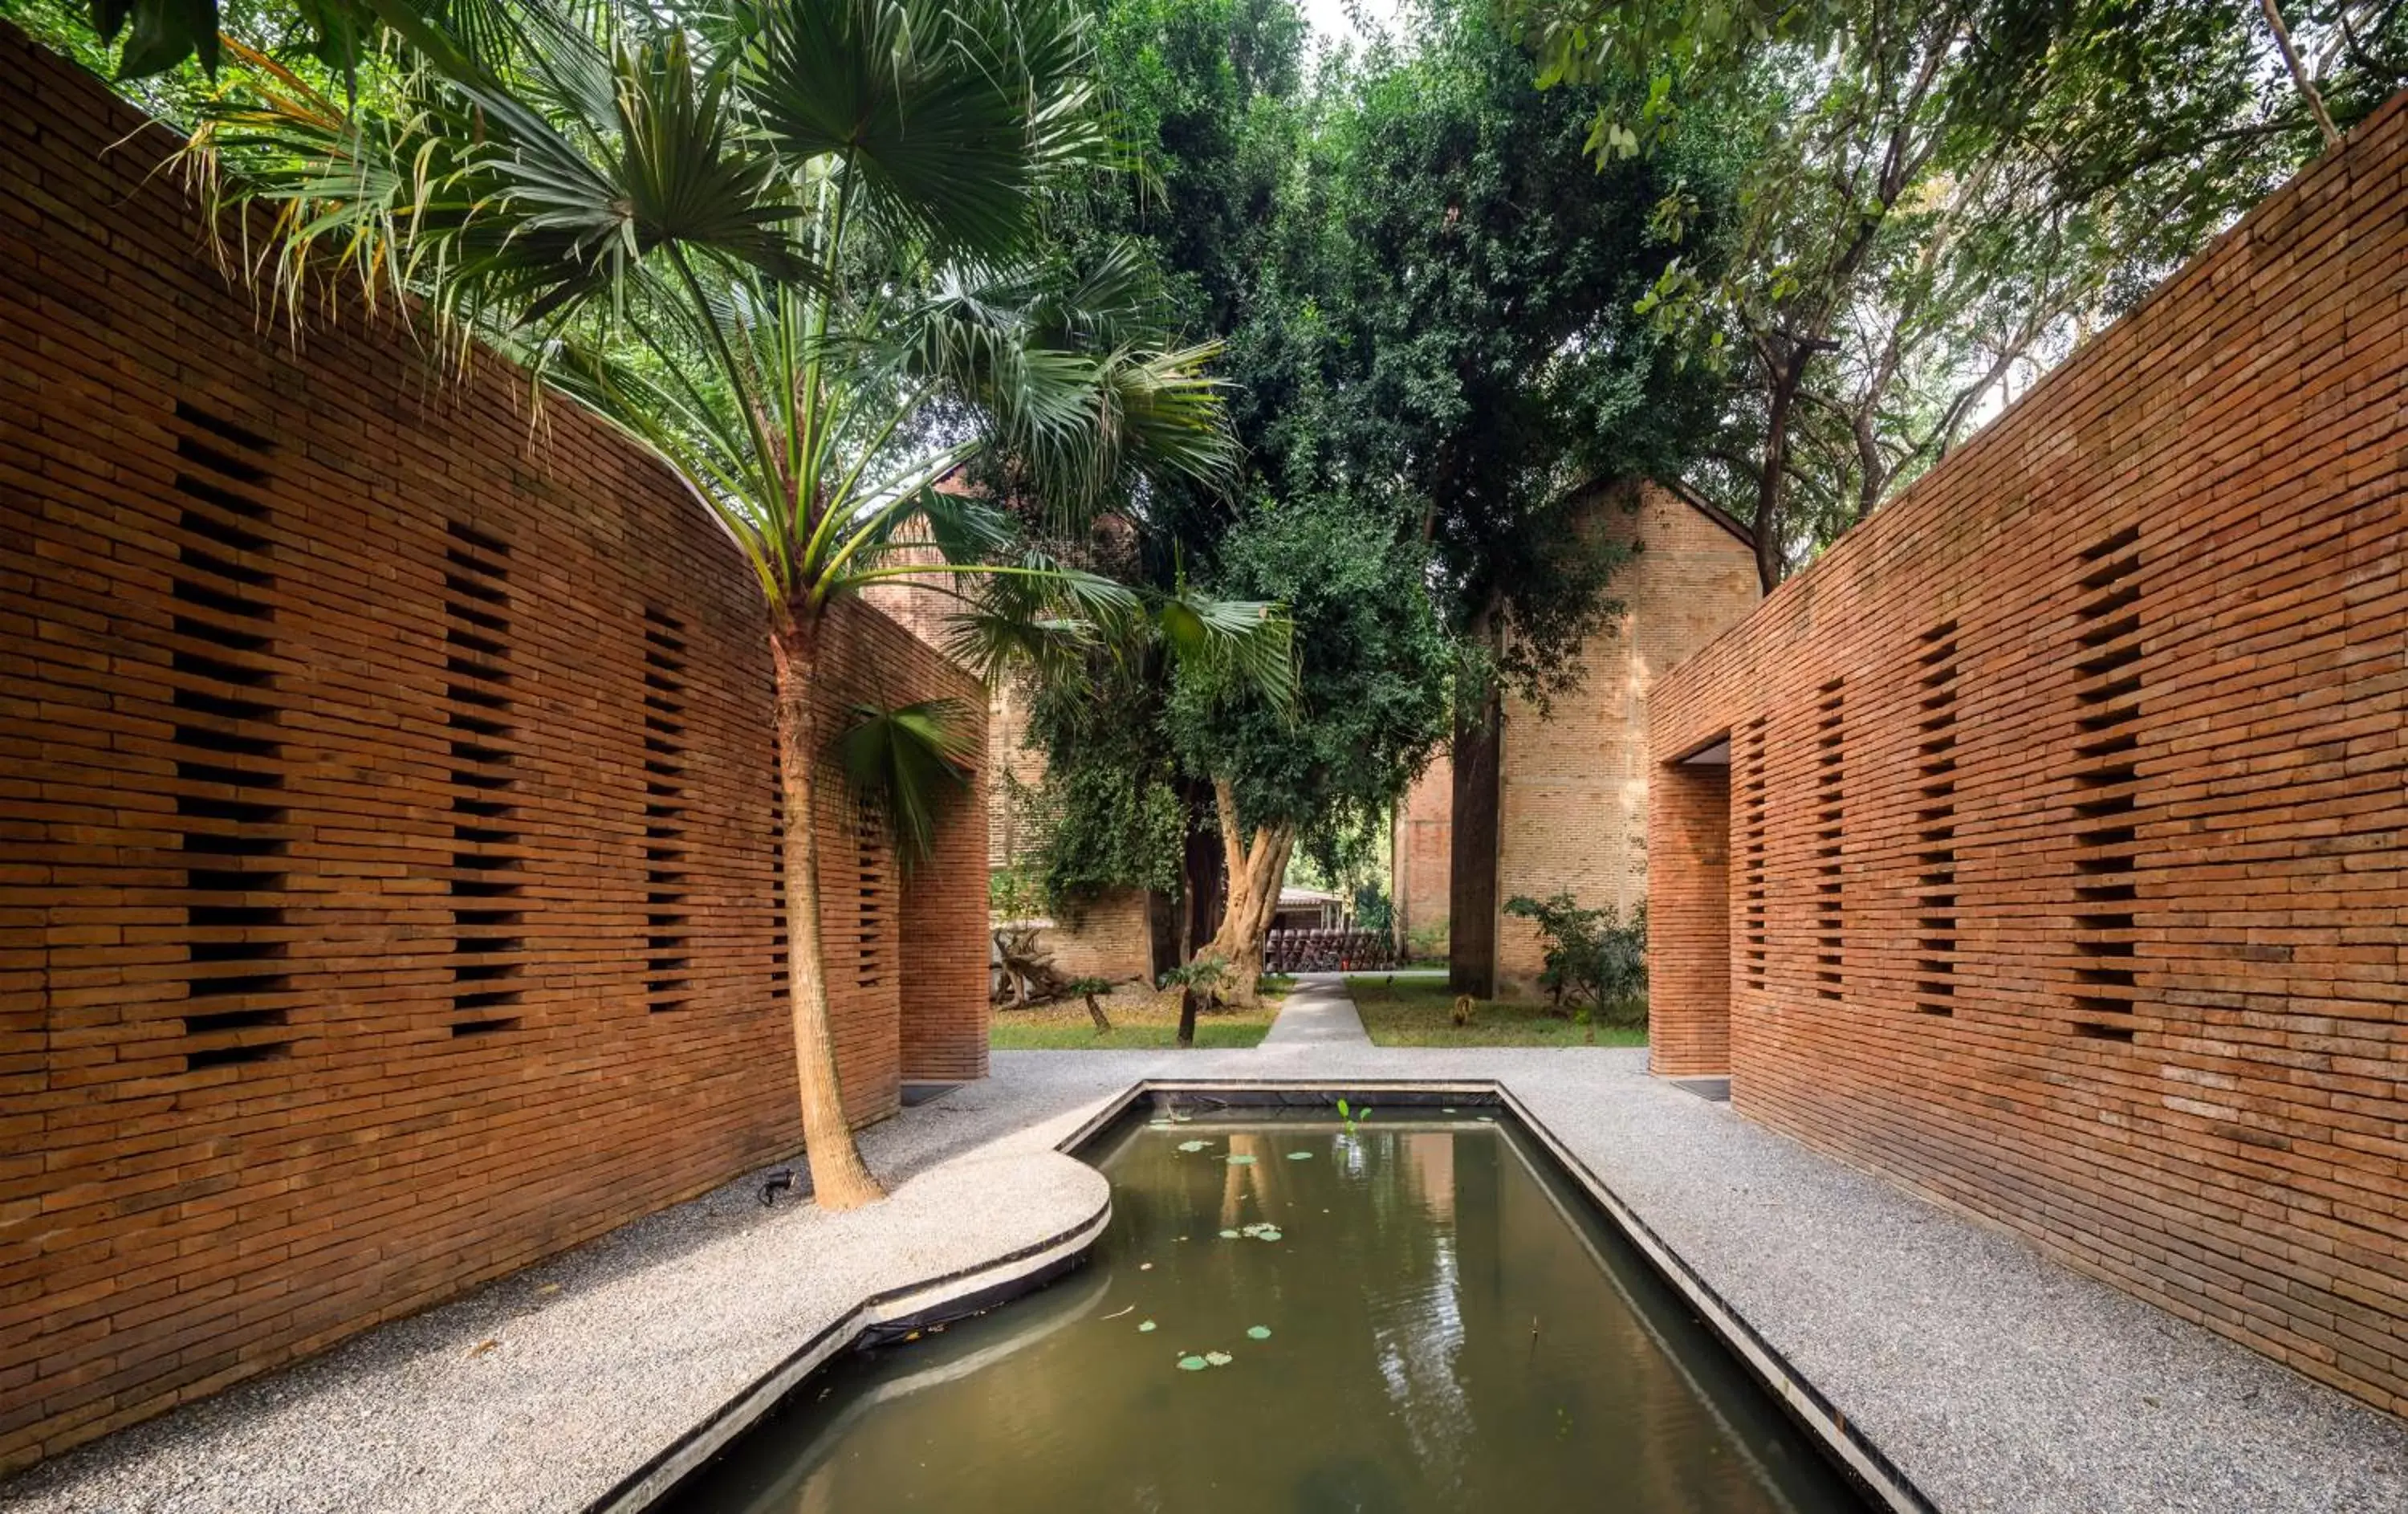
(1318, 1012)
(1993, 1377)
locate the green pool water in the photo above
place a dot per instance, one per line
(1417, 1314)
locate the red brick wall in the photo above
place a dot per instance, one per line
(1111, 936)
(1574, 803)
(388, 891)
(1422, 841)
(1688, 973)
(2082, 877)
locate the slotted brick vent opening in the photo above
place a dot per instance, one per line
(2107, 631)
(1935, 817)
(668, 962)
(487, 861)
(1831, 812)
(230, 813)
(874, 896)
(1750, 754)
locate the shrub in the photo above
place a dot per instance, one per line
(1592, 955)
(1373, 909)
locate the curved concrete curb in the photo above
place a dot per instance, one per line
(1996, 1380)
(594, 1380)
(888, 1315)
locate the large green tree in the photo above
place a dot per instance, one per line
(1951, 197)
(1210, 94)
(795, 248)
(1458, 337)
(1433, 346)
(1370, 703)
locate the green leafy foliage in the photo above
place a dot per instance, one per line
(1205, 975)
(1596, 956)
(1373, 666)
(1448, 331)
(1948, 199)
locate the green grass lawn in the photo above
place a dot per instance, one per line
(1142, 1020)
(1420, 1012)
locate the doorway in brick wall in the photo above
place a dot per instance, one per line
(1690, 905)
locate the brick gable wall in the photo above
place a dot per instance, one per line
(1574, 782)
(388, 892)
(1574, 805)
(2067, 793)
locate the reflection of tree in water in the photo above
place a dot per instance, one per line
(1416, 1318)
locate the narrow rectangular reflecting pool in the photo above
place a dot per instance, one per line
(1291, 1312)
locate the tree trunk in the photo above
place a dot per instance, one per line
(1189, 997)
(1772, 483)
(1786, 360)
(1254, 870)
(1096, 1013)
(1200, 881)
(839, 1178)
(1471, 858)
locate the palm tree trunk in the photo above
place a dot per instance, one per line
(839, 1178)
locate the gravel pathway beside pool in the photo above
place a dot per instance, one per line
(1993, 1377)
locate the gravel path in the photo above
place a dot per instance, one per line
(1995, 1378)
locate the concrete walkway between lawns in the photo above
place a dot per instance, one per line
(1996, 1379)
(1319, 1012)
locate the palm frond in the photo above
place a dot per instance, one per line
(950, 114)
(1034, 611)
(900, 764)
(1244, 646)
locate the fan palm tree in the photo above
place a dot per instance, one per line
(793, 248)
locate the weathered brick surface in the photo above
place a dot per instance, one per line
(2081, 886)
(1575, 783)
(387, 898)
(1421, 842)
(1573, 800)
(1107, 937)
(1688, 810)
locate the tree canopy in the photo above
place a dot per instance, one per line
(1949, 197)
(1212, 317)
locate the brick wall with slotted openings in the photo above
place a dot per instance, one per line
(2069, 793)
(387, 786)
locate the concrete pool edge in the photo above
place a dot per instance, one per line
(975, 1288)
(1848, 1448)
(884, 1315)
(1865, 1462)
(1999, 1380)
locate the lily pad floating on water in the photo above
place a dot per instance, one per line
(1191, 1146)
(1299, 1156)
(1228, 1236)
(1145, 1327)
(1193, 1363)
(1258, 1331)
(1241, 1161)
(1218, 1358)
(1268, 1232)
